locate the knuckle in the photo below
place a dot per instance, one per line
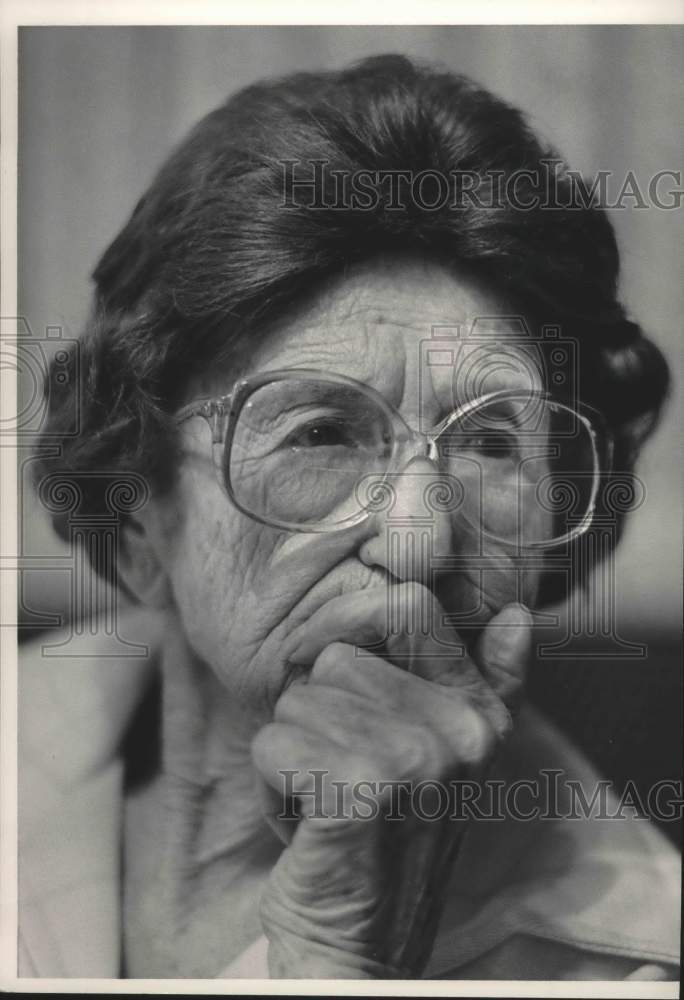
(422, 753)
(417, 594)
(286, 704)
(329, 660)
(477, 737)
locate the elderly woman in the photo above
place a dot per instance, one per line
(316, 339)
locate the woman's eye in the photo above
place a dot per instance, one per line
(498, 445)
(321, 435)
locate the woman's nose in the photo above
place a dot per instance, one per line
(412, 524)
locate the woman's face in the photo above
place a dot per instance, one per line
(240, 588)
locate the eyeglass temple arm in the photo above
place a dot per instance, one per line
(214, 412)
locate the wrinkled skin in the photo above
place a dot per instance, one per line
(351, 898)
(361, 897)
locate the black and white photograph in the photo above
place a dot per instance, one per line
(342, 506)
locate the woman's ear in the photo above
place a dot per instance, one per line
(139, 565)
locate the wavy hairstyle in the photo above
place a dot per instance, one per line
(210, 254)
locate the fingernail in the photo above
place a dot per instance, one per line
(515, 621)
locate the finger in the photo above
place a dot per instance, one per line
(368, 704)
(409, 727)
(403, 622)
(418, 640)
(309, 767)
(503, 652)
(346, 699)
(285, 755)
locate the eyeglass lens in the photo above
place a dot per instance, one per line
(523, 466)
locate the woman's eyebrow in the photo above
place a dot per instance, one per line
(290, 400)
(516, 412)
(526, 378)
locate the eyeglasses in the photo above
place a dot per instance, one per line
(310, 451)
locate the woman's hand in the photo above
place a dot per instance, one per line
(357, 893)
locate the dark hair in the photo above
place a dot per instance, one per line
(210, 253)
